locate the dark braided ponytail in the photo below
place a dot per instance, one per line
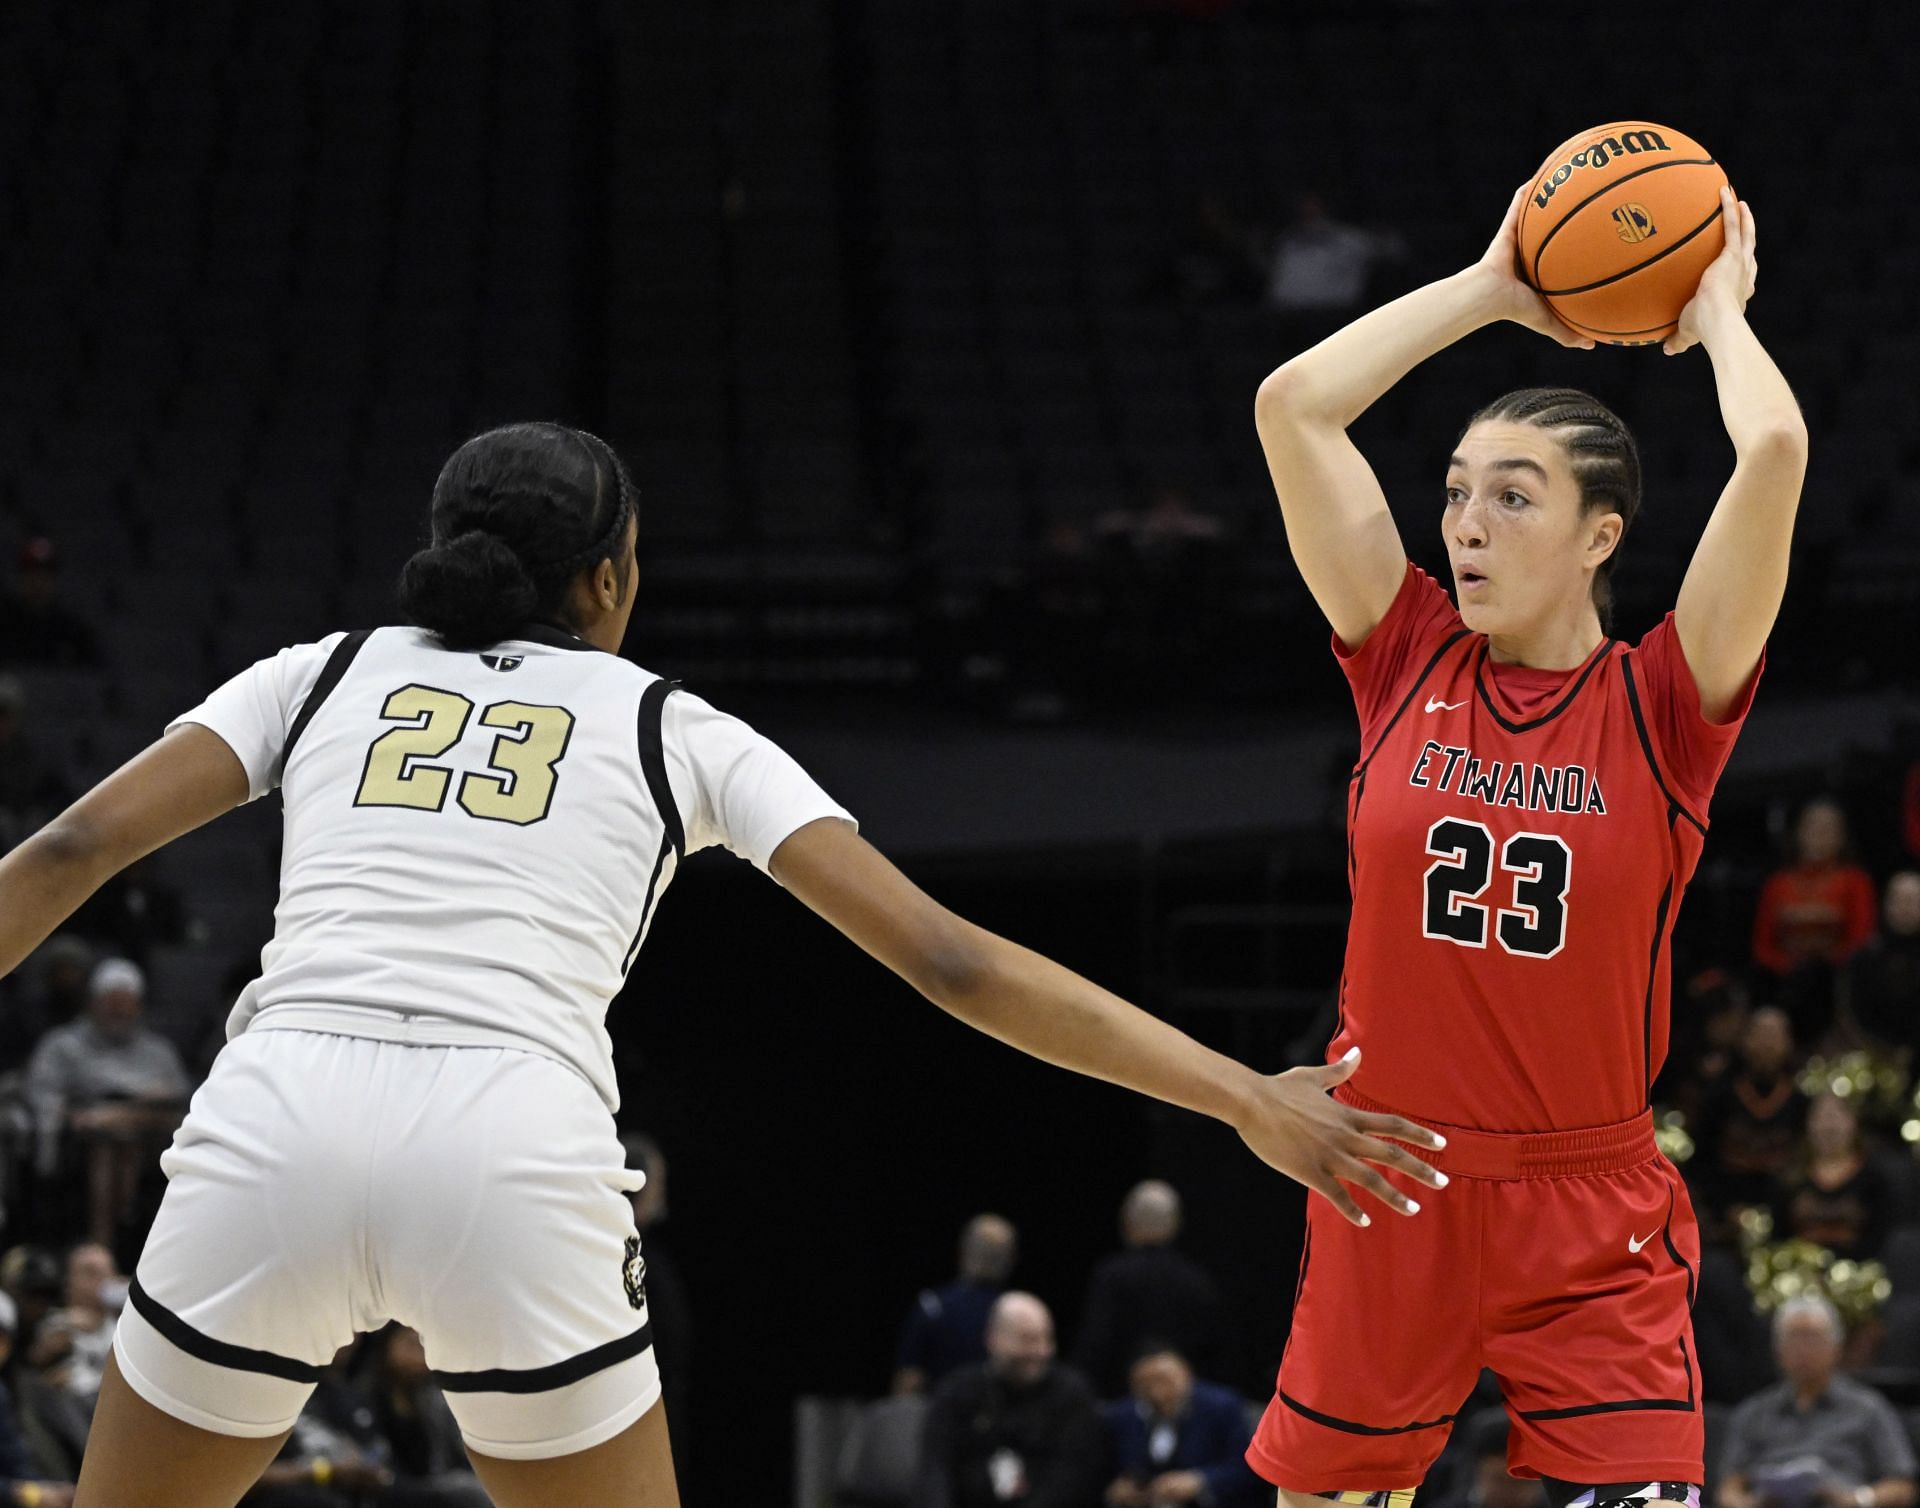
(517, 514)
(1605, 461)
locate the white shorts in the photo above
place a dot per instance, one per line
(323, 1185)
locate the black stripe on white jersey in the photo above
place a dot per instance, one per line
(653, 763)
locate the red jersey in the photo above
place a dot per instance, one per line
(1518, 842)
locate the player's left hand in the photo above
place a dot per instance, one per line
(1730, 278)
(1299, 1128)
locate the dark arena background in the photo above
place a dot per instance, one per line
(931, 334)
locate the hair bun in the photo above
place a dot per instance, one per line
(471, 590)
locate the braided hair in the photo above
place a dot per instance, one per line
(1605, 461)
(517, 514)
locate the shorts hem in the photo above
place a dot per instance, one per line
(1586, 1474)
(1287, 1479)
(573, 1444)
(187, 1413)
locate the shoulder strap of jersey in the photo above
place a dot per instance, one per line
(329, 677)
(1646, 744)
(653, 761)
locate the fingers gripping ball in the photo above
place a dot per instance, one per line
(1618, 226)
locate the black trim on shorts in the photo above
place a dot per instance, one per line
(546, 1379)
(1686, 1405)
(1598, 658)
(1347, 1426)
(1646, 743)
(1666, 1236)
(329, 677)
(205, 1348)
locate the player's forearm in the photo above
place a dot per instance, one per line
(43, 882)
(1049, 1012)
(1340, 378)
(1756, 404)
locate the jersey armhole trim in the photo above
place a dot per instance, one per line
(329, 677)
(1646, 743)
(1412, 691)
(653, 762)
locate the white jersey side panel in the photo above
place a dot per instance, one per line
(471, 840)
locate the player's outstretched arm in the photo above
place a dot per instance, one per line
(1034, 1004)
(1732, 590)
(1338, 525)
(182, 782)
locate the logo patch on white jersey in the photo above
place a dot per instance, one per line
(503, 663)
(633, 1272)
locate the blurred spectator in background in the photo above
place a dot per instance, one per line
(1707, 1031)
(1150, 1290)
(1179, 1440)
(36, 628)
(667, 1309)
(132, 913)
(31, 787)
(56, 995)
(1880, 990)
(1211, 258)
(1320, 267)
(1815, 1439)
(70, 1348)
(116, 1087)
(335, 1456)
(1016, 1428)
(1750, 1129)
(1813, 914)
(1482, 1479)
(429, 1463)
(30, 1276)
(947, 1327)
(1834, 1193)
(21, 1480)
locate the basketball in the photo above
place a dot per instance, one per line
(1621, 222)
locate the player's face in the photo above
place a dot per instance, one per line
(1515, 533)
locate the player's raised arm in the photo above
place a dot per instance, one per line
(1733, 588)
(177, 784)
(1034, 1004)
(1338, 525)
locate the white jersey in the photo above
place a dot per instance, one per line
(476, 842)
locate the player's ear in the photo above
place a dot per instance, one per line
(1603, 536)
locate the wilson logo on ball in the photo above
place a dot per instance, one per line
(1597, 154)
(1633, 224)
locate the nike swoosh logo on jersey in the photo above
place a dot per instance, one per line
(1434, 704)
(1634, 1246)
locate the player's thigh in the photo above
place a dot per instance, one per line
(138, 1455)
(632, 1470)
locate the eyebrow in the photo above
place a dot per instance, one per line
(1454, 463)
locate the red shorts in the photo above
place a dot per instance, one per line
(1564, 1262)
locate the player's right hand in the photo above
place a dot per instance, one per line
(1298, 1127)
(1513, 295)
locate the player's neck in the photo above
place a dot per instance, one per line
(1563, 644)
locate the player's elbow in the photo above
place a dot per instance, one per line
(1779, 440)
(69, 845)
(953, 963)
(1291, 397)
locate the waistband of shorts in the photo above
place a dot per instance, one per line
(1528, 1154)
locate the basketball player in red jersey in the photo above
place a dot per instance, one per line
(1529, 802)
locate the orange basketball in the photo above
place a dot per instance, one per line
(1621, 222)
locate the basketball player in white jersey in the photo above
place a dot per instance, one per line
(413, 1116)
